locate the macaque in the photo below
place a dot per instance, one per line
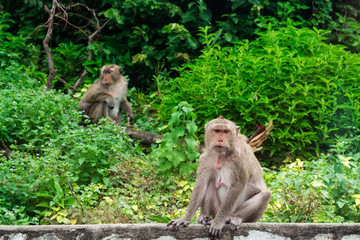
(107, 96)
(229, 185)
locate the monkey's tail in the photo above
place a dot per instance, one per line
(259, 136)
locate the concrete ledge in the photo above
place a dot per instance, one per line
(253, 231)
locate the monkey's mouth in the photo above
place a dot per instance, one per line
(219, 147)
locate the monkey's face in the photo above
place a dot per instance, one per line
(220, 135)
(110, 74)
(220, 138)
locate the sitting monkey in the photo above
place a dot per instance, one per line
(107, 96)
(229, 186)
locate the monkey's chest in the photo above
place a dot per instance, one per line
(222, 182)
(115, 111)
(118, 93)
(222, 178)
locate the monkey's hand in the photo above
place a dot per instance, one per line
(176, 224)
(203, 219)
(111, 107)
(131, 117)
(234, 222)
(215, 229)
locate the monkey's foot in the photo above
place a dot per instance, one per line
(215, 229)
(234, 222)
(203, 219)
(176, 224)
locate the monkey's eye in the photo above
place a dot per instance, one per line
(107, 71)
(217, 130)
(226, 131)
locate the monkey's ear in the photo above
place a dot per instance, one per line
(237, 130)
(102, 70)
(120, 69)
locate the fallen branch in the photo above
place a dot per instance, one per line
(260, 135)
(7, 150)
(145, 137)
(255, 140)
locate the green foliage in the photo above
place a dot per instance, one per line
(323, 190)
(90, 151)
(346, 30)
(178, 150)
(51, 149)
(148, 35)
(16, 216)
(30, 115)
(14, 51)
(288, 75)
(309, 89)
(158, 35)
(70, 59)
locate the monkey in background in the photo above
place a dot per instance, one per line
(107, 96)
(229, 185)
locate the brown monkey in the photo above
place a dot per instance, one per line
(107, 96)
(229, 186)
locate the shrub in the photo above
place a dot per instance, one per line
(178, 150)
(49, 149)
(30, 115)
(290, 75)
(322, 190)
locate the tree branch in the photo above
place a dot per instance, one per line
(90, 57)
(46, 42)
(72, 192)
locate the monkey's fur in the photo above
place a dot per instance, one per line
(229, 186)
(107, 96)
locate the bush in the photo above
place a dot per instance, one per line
(323, 190)
(178, 150)
(50, 149)
(288, 75)
(28, 114)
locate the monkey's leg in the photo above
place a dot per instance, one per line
(209, 206)
(110, 101)
(251, 210)
(97, 111)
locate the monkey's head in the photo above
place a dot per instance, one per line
(220, 134)
(109, 74)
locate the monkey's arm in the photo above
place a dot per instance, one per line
(124, 105)
(196, 199)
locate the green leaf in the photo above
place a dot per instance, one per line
(43, 204)
(58, 188)
(177, 133)
(191, 127)
(160, 219)
(178, 157)
(44, 194)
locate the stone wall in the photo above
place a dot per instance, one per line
(254, 231)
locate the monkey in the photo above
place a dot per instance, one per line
(229, 185)
(107, 96)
